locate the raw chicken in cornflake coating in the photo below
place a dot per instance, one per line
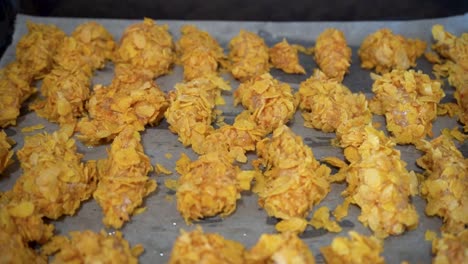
(332, 53)
(5, 150)
(198, 247)
(379, 184)
(192, 109)
(408, 99)
(98, 40)
(132, 99)
(270, 101)
(37, 48)
(354, 250)
(18, 216)
(248, 56)
(15, 88)
(148, 46)
(236, 139)
(446, 182)
(13, 246)
(209, 186)
(326, 103)
(90, 247)
(451, 248)
(54, 177)
(279, 248)
(123, 179)
(385, 51)
(73, 55)
(284, 57)
(65, 95)
(199, 52)
(455, 52)
(293, 180)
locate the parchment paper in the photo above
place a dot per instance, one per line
(158, 227)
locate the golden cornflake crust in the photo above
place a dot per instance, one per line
(284, 57)
(408, 99)
(332, 53)
(147, 46)
(198, 247)
(321, 219)
(5, 150)
(20, 217)
(385, 51)
(123, 180)
(66, 87)
(199, 52)
(13, 245)
(446, 182)
(326, 104)
(192, 108)
(379, 184)
(65, 95)
(132, 99)
(354, 250)
(15, 88)
(454, 65)
(54, 179)
(37, 48)
(279, 248)
(270, 102)
(293, 180)
(99, 41)
(209, 186)
(236, 139)
(451, 248)
(89, 247)
(248, 56)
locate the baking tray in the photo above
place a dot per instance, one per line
(158, 227)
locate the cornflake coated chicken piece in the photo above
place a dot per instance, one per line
(123, 178)
(90, 247)
(199, 52)
(270, 101)
(284, 57)
(98, 40)
(408, 99)
(293, 180)
(210, 186)
(248, 56)
(279, 248)
(451, 248)
(19, 216)
(54, 177)
(192, 108)
(379, 184)
(13, 246)
(236, 139)
(385, 51)
(198, 247)
(15, 88)
(446, 182)
(455, 52)
(148, 46)
(65, 95)
(326, 103)
(37, 48)
(5, 150)
(73, 55)
(132, 99)
(332, 53)
(354, 250)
